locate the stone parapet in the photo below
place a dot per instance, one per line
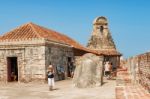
(139, 68)
(125, 89)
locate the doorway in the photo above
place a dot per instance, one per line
(70, 67)
(12, 69)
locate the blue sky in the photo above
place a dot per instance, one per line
(129, 20)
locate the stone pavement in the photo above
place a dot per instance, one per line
(122, 88)
(64, 90)
(126, 90)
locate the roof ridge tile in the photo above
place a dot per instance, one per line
(34, 29)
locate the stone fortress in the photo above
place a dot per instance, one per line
(29, 49)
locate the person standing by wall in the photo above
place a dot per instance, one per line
(107, 69)
(50, 73)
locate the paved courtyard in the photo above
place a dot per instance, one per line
(64, 90)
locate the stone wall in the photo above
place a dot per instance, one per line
(139, 67)
(33, 58)
(35, 63)
(4, 53)
(58, 56)
(30, 60)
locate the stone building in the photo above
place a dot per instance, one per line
(102, 42)
(29, 49)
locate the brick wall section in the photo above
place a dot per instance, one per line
(144, 70)
(139, 68)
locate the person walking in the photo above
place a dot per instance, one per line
(50, 73)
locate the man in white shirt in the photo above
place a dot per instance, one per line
(107, 68)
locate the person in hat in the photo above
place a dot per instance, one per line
(50, 73)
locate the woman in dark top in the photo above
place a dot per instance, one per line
(50, 74)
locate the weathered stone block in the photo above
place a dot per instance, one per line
(88, 72)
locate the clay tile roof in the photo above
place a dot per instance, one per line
(108, 52)
(22, 32)
(31, 30)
